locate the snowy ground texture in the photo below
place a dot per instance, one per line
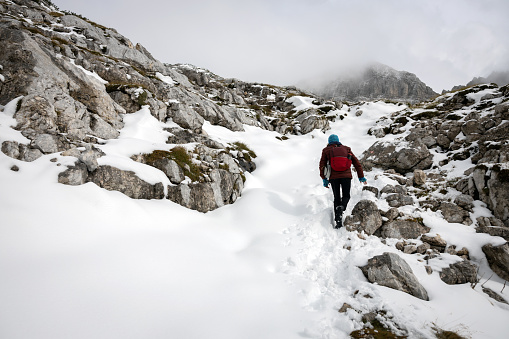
(83, 262)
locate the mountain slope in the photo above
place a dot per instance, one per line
(113, 167)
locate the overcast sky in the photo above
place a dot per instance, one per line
(282, 42)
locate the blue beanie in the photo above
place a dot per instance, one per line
(333, 138)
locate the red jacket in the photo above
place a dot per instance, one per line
(342, 151)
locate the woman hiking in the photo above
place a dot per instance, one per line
(335, 165)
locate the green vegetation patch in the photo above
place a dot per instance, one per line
(242, 147)
(443, 334)
(180, 155)
(378, 331)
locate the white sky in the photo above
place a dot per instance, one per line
(283, 42)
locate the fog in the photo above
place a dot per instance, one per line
(284, 42)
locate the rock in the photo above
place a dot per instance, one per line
(74, 175)
(89, 158)
(390, 189)
(15, 168)
(11, 149)
(498, 259)
(492, 226)
(114, 179)
(435, 242)
(400, 155)
(465, 201)
(419, 177)
(372, 189)
(423, 248)
(391, 271)
(102, 129)
(392, 214)
(398, 200)
(46, 143)
(37, 113)
(459, 273)
(345, 308)
(198, 196)
(223, 189)
(410, 249)
(498, 185)
(29, 154)
(494, 295)
(452, 213)
(403, 229)
(365, 217)
(170, 168)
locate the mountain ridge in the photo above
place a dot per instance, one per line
(376, 82)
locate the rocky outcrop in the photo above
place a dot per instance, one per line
(73, 81)
(378, 82)
(391, 271)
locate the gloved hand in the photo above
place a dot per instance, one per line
(363, 180)
(325, 183)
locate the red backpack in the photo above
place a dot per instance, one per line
(340, 163)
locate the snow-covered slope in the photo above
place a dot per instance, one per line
(83, 262)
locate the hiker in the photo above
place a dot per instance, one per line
(335, 165)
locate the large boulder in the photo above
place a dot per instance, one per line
(365, 217)
(399, 155)
(392, 271)
(498, 259)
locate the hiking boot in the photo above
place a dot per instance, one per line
(338, 216)
(339, 223)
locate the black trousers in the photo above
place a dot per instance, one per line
(341, 191)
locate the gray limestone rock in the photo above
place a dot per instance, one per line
(170, 169)
(114, 179)
(492, 226)
(365, 217)
(419, 178)
(398, 200)
(453, 213)
(400, 155)
(74, 175)
(46, 143)
(435, 242)
(498, 259)
(11, 149)
(403, 229)
(392, 271)
(459, 273)
(465, 201)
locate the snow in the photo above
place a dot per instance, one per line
(7, 121)
(166, 79)
(93, 75)
(84, 262)
(301, 103)
(478, 95)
